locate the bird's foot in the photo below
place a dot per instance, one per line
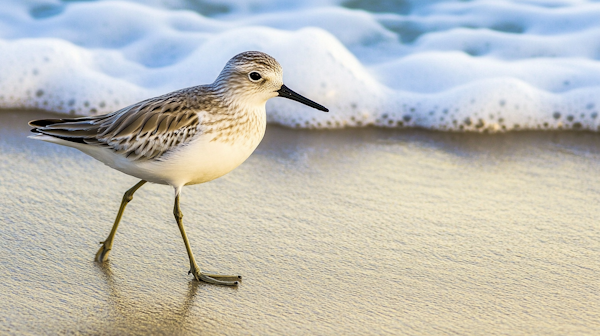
(102, 254)
(217, 279)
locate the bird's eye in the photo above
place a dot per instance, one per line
(254, 76)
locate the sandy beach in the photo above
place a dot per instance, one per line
(347, 232)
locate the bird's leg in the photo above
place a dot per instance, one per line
(228, 280)
(102, 254)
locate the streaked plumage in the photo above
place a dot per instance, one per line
(145, 130)
(189, 136)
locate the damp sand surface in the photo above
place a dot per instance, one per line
(357, 231)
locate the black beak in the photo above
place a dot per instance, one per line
(285, 92)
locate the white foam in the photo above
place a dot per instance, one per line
(447, 65)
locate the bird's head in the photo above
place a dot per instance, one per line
(256, 77)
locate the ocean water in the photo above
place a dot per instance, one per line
(481, 65)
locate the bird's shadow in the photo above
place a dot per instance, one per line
(129, 314)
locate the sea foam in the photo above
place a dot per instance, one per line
(444, 65)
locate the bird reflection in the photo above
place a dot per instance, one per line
(139, 313)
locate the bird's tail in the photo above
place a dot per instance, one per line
(68, 129)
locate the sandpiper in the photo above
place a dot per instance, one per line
(186, 137)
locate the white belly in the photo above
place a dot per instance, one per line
(199, 161)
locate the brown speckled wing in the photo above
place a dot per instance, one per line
(145, 130)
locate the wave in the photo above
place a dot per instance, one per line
(484, 66)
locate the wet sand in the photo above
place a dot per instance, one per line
(360, 231)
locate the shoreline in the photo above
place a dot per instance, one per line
(54, 114)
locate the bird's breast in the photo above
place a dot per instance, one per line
(222, 145)
(237, 129)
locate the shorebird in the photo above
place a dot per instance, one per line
(185, 137)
